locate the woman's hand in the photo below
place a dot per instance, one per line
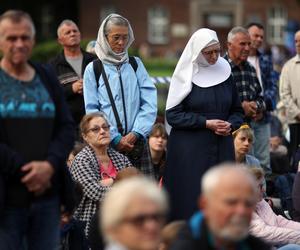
(131, 138)
(124, 145)
(220, 127)
(107, 182)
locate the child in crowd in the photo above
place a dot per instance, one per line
(157, 145)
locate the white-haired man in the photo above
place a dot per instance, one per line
(227, 201)
(132, 215)
(245, 78)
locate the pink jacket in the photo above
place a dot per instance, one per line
(273, 228)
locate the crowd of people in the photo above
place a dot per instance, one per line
(83, 165)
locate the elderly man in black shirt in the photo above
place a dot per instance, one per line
(70, 65)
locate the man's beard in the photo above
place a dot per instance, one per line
(235, 230)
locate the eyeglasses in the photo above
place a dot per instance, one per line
(140, 220)
(117, 38)
(97, 129)
(211, 52)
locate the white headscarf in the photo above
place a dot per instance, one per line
(192, 67)
(102, 47)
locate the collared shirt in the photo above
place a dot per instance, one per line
(246, 82)
(254, 61)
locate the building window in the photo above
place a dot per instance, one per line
(219, 20)
(277, 19)
(47, 17)
(105, 11)
(158, 25)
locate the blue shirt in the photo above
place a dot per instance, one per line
(19, 99)
(269, 80)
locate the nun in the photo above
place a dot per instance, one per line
(203, 109)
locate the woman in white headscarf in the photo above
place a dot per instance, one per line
(132, 91)
(203, 109)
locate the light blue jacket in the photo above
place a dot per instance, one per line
(140, 97)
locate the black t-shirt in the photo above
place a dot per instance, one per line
(27, 118)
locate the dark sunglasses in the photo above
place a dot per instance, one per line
(140, 220)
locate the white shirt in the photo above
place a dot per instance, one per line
(253, 60)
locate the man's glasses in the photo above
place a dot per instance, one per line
(97, 129)
(140, 220)
(211, 52)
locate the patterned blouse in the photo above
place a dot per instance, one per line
(85, 170)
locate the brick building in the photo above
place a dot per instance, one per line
(164, 26)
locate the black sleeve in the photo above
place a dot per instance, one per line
(67, 88)
(64, 129)
(236, 116)
(68, 91)
(178, 117)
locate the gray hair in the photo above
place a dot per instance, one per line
(212, 177)
(236, 30)
(87, 118)
(118, 199)
(67, 22)
(114, 21)
(16, 16)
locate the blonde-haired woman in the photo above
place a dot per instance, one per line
(243, 140)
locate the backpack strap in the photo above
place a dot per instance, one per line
(98, 71)
(133, 63)
(97, 66)
(112, 102)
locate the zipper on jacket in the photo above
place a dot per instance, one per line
(123, 97)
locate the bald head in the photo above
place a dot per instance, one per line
(221, 173)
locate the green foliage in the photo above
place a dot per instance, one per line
(44, 51)
(159, 64)
(155, 67)
(162, 93)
